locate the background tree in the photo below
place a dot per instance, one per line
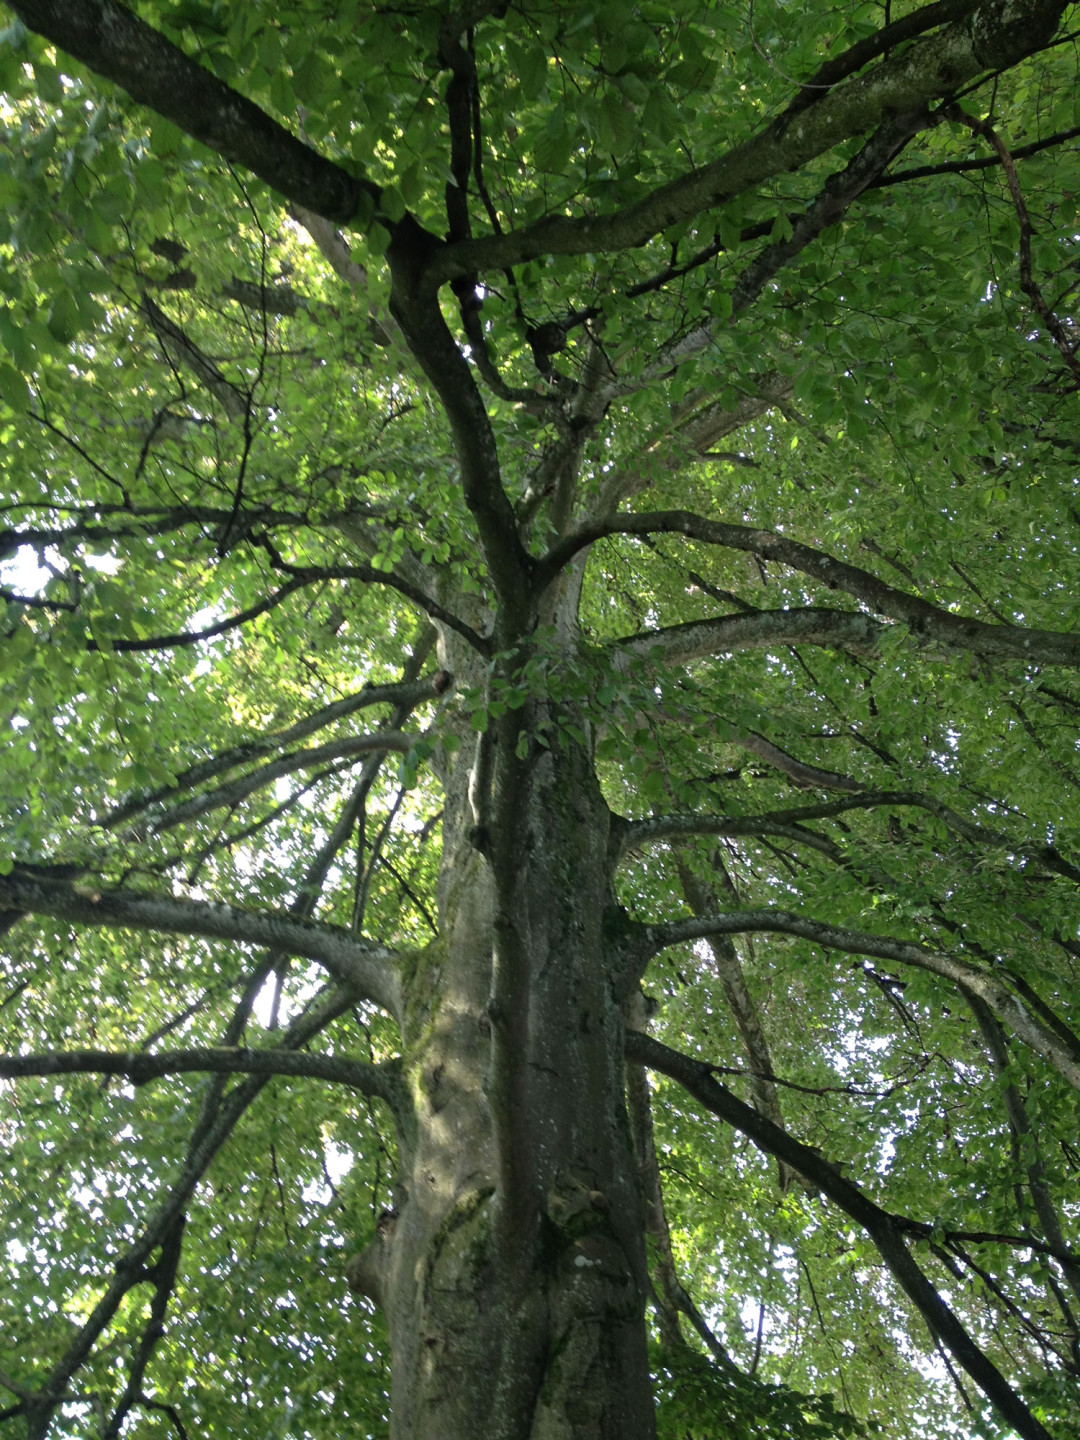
(540, 718)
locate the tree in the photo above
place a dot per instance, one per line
(542, 552)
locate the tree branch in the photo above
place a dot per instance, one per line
(1026, 1151)
(803, 775)
(1066, 348)
(926, 621)
(162, 1407)
(978, 162)
(885, 1230)
(415, 307)
(129, 1268)
(887, 38)
(702, 900)
(666, 827)
(148, 519)
(235, 790)
(673, 1298)
(334, 248)
(397, 582)
(991, 37)
(182, 638)
(111, 40)
(662, 829)
(186, 355)
(407, 694)
(838, 193)
(1005, 1005)
(762, 630)
(364, 969)
(163, 1274)
(140, 1067)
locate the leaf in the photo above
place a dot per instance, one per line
(14, 390)
(530, 67)
(47, 80)
(392, 204)
(64, 321)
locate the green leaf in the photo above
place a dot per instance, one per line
(530, 67)
(14, 390)
(392, 204)
(47, 80)
(64, 321)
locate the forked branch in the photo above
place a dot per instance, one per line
(991, 36)
(1047, 1042)
(927, 622)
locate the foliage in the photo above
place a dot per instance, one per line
(696, 1397)
(798, 413)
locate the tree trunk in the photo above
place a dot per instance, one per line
(514, 1276)
(514, 1281)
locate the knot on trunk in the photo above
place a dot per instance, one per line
(366, 1270)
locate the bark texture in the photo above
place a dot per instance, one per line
(517, 1259)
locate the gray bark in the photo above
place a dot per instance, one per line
(517, 1258)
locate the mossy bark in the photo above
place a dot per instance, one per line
(513, 1277)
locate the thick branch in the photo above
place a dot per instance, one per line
(803, 775)
(701, 429)
(140, 1067)
(112, 41)
(763, 630)
(163, 1274)
(146, 520)
(1005, 1005)
(887, 38)
(993, 37)
(417, 311)
(928, 622)
(364, 969)
(695, 429)
(885, 1230)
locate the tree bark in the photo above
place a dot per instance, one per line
(513, 1276)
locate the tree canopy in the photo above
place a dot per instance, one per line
(539, 554)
